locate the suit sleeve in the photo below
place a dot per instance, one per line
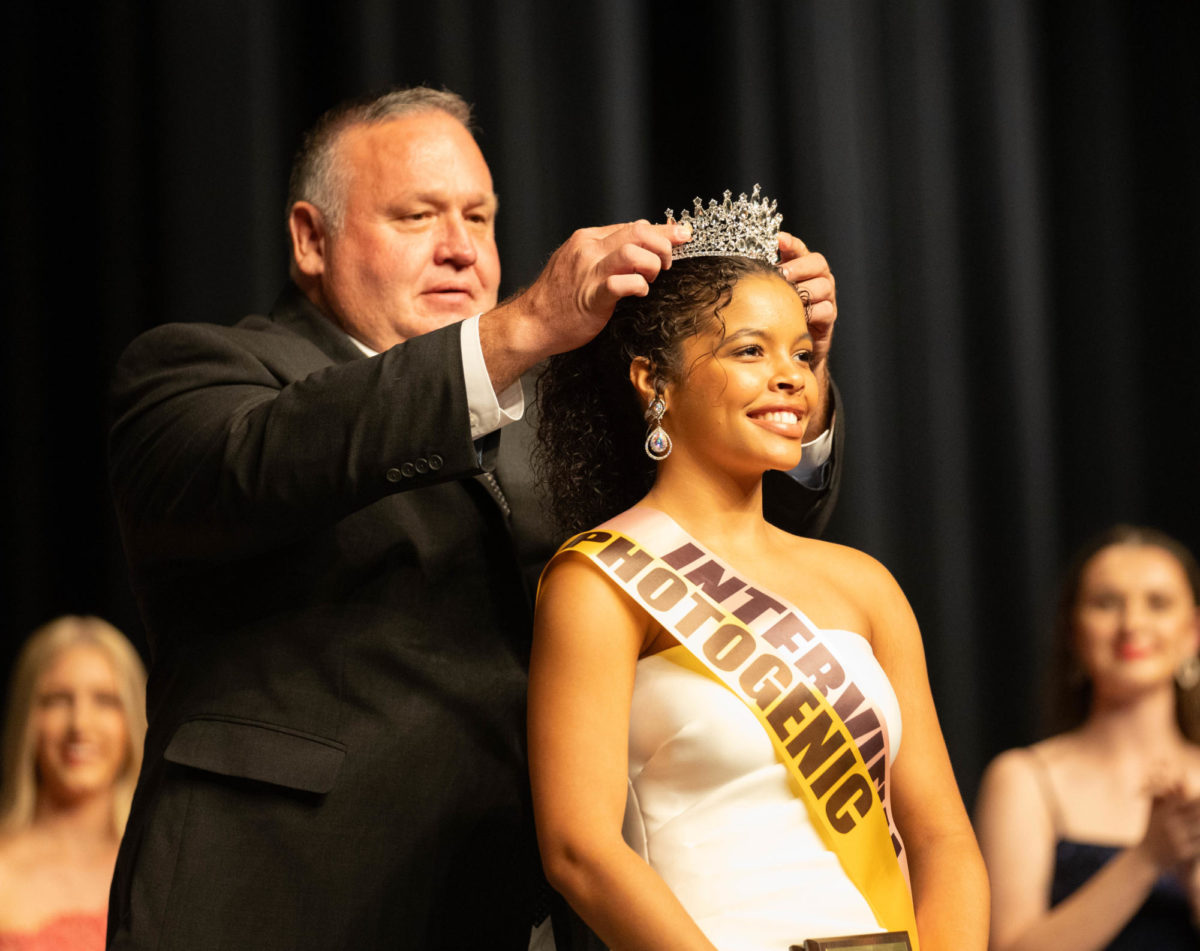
(798, 509)
(229, 440)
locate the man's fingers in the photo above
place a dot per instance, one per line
(818, 288)
(586, 276)
(790, 246)
(626, 272)
(657, 238)
(644, 233)
(809, 272)
(821, 317)
(806, 267)
(605, 232)
(623, 285)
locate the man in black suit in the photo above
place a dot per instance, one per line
(331, 543)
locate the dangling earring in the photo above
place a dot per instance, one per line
(1187, 675)
(658, 443)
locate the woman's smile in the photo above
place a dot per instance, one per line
(746, 384)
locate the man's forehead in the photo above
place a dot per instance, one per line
(430, 154)
(410, 137)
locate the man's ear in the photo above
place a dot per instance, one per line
(645, 379)
(307, 227)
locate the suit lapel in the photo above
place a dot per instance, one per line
(296, 313)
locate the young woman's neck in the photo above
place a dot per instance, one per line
(1141, 728)
(712, 507)
(87, 819)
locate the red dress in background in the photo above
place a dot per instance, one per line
(74, 931)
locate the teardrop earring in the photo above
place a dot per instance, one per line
(658, 443)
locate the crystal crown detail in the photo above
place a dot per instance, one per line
(747, 228)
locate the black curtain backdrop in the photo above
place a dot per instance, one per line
(1008, 193)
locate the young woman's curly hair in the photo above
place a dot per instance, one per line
(589, 456)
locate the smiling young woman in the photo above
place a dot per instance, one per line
(744, 403)
(1092, 837)
(72, 750)
(715, 704)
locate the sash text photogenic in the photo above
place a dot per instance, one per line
(684, 589)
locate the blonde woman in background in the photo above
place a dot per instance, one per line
(73, 734)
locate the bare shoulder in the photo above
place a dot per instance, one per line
(844, 588)
(1056, 749)
(570, 575)
(841, 560)
(574, 589)
(1011, 768)
(1011, 785)
(1028, 774)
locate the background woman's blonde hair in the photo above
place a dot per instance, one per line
(18, 784)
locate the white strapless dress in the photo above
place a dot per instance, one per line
(711, 810)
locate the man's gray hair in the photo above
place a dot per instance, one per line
(317, 175)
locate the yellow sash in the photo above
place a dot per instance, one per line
(756, 650)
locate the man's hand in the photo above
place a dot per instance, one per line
(575, 294)
(809, 271)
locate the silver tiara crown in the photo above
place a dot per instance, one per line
(746, 228)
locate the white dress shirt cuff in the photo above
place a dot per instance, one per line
(488, 411)
(811, 471)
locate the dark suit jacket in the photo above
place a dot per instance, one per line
(339, 619)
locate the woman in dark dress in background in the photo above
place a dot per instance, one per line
(1092, 837)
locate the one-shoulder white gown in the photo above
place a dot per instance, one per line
(711, 810)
